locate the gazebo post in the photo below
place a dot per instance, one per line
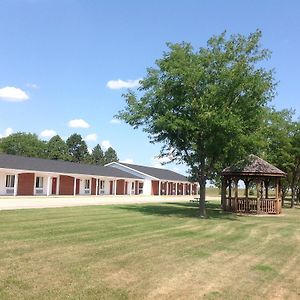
(223, 193)
(277, 195)
(246, 181)
(267, 182)
(258, 196)
(236, 181)
(229, 193)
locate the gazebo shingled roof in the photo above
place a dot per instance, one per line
(253, 165)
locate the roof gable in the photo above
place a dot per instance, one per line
(162, 174)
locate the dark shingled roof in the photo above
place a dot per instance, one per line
(58, 166)
(162, 174)
(253, 165)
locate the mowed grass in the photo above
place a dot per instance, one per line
(148, 251)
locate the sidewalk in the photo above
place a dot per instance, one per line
(23, 202)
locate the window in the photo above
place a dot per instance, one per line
(10, 181)
(101, 185)
(141, 185)
(87, 184)
(39, 182)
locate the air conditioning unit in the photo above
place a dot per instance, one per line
(86, 191)
(39, 192)
(101, 192)
(9, 191)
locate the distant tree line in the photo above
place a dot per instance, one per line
(74, 149)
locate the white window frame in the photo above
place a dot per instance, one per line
(141, 188)
(87, 186)
(10, 181)
(101, 186)
(39, 184)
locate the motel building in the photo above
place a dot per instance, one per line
(28, 176)
(157, 181)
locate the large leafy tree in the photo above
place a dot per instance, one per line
(282, 137)
(24, 144)
(78, 149)
(57, 149)
(205, 106)
(110, 155)
(277, 133)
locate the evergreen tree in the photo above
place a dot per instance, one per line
(57, 149)
(77, 148)
(110, 155)
(97, 156)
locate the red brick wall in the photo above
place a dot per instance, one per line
(26, 184)
(155, 187)
(120, 186)
(93, 186)
(66, 185)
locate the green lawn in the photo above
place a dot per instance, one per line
(148, 251)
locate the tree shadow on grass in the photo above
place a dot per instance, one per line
(181, 210)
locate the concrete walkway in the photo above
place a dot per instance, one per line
(22, 202)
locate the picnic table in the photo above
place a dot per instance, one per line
(197, 200)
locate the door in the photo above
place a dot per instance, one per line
(111, 187)
(54, 184)
(126, 188)
(77, 186)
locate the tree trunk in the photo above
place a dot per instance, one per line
(202, 208)
(283, 194)
(293, 197)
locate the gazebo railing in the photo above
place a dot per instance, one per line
(249, 205)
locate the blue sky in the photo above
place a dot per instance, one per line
(57, 57)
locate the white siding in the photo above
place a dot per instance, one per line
(2, 183)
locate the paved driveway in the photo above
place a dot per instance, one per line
(9, 203)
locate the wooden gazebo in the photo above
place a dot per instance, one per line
(259, 176)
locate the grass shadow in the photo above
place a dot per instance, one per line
(181, 210)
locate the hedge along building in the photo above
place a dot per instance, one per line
(157, 181)
(28, 176)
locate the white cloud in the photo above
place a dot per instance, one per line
(91, 137)
(90, 150)
(128, 161)
(8, 131)
(48, 133)
(33, 86)
(123, 84)
(13, 94)
(115, 121)
(105, 144)
(78, 123)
